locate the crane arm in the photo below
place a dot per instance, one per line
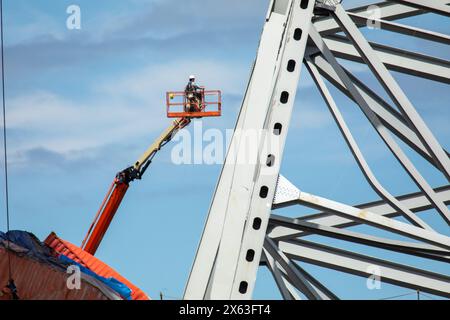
(120, 185)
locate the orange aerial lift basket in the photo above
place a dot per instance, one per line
(207, 103)
(184, 106)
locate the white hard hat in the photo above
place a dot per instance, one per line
(191, 77)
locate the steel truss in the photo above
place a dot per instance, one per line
(242, 232)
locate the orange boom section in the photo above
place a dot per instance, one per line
(104, 216)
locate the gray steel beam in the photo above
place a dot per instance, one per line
(261, 79)
(374, 219)
(292, 289)
(277, 276)
(401, 28)
(359, 265)
(355, 150)
(380, 128)
(286, 285)
(393, 89)
(223, 266)
(323, 291)
(435, 6)
(415, 202)
(293, 274)
(417, 249)
(264, 177)
(395, 59)
(393, 120)
(288, 288)
(221, 270)
(387, 11)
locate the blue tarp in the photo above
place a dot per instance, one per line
(30, 242)
(40, 251)
(114, 284)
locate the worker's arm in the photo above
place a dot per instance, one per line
(120, 185)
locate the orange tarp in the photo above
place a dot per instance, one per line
(87, 260)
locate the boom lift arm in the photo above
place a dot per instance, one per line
(120, 186)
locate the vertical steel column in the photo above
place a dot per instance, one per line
(230, 249)
(231, 183)
(243, 239)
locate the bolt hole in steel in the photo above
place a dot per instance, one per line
(257, 223)
(298, 34)
(250, 255)
(277, 128)
(270, 160)
(284, 97)
(304, 4)
(243, 287)
(291, 65)
(263, 192)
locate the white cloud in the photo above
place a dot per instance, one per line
(125, 109)
(151, 82)
(28, 23)
(164, 19)
(60, 125)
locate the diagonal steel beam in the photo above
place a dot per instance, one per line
(293, 274)
(286, 285)
(417, 249)
(292, 289)
(360, 265)
(393, 89)
(324, 292)
(290, 292)
(271, 264)
(252, 214)
(419, 65)
(261, 77)
(392, 119)
(321, 289)
(355, 150)
(436, 6)
(240, 209)
(380, 128)
(374, 219)
(416, 202)
(401, 28)
(387, 11)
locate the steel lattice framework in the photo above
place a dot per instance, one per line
(243, 231)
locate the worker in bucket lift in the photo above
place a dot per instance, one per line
(193, 95)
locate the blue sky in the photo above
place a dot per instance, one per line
(83, 104)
